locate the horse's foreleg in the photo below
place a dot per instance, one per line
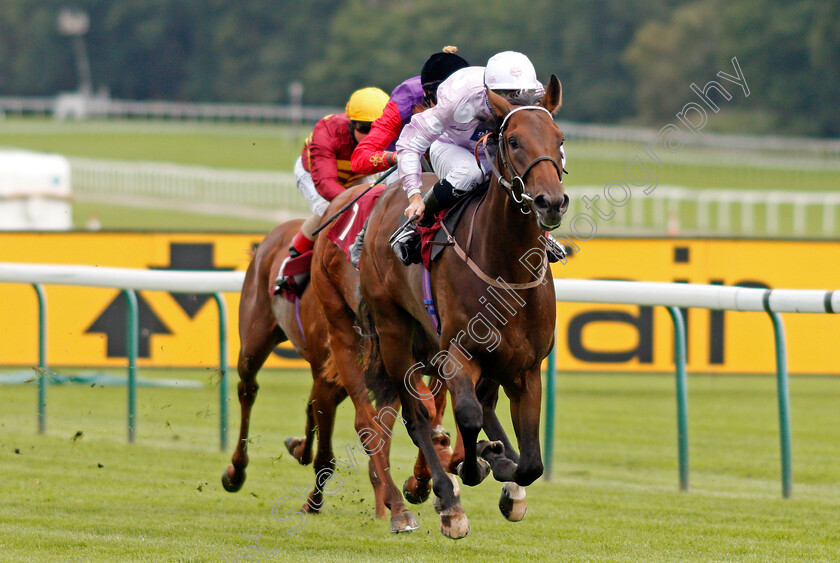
(525, 412)
(258, 336)
(248, 366)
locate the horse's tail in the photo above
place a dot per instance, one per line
(376, 377)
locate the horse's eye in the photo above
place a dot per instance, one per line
(514, 144)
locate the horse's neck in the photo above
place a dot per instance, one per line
(503, 234)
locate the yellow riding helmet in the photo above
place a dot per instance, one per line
(366, 104)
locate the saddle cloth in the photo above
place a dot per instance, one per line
(347, 227)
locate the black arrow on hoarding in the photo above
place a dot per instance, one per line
(183, 256)
(113, 320)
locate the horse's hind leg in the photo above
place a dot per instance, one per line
(324, 400)
(373, 429)
(416, 488)
(390, 324)
(300, 447)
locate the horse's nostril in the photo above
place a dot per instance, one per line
(564, 206)
(541, 202)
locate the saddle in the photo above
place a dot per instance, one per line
(434, 239)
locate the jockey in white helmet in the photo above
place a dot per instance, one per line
(450, 132)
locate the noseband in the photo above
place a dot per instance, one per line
(524, 200)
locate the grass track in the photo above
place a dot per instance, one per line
(614, 496)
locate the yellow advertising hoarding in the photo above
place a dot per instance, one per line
(633, 338)
(86, 325)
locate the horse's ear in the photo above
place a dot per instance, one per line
(553, 97)
(498, 105)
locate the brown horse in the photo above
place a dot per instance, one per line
(496, 306)
(264, 322)
(336, 283)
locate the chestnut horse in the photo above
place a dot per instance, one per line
(264, 322)
(336, 283)
(497, 316)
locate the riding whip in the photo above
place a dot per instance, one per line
(354, 200)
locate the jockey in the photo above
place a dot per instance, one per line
(376, 152)
(450, 131)
(323, 170)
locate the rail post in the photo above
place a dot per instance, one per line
(43, 381)
(132, 331)
(223, 370)
(550, 397)
(783, 393)
(682, 394)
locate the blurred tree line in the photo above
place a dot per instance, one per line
(628, 61)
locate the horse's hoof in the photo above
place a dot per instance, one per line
(454, 523)
(485, 446)
(456, 488)
(440, 437)
(416, 491)
(483, 472)
(311, 507)
(295, 445)
(404, 522)
(231, 480)
(512, 502)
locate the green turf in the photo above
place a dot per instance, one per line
(222, 145)
(115, 217)
(614, 496)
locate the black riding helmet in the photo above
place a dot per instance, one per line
(437, 69)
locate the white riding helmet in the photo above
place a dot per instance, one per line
(510, 70)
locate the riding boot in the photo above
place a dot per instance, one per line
(300, 280)
(406, 240)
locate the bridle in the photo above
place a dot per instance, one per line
(523, 199)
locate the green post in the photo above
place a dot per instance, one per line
(223, 370)
(42, 358)
(682, 394)
(783, 393)
(131, 350)
(550, 396)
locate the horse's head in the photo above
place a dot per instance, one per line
(530, 154)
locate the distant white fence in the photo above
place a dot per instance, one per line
(668, 209)
(678, 210)
(109, 180)
(74, 105)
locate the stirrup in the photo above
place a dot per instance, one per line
(406, 244)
